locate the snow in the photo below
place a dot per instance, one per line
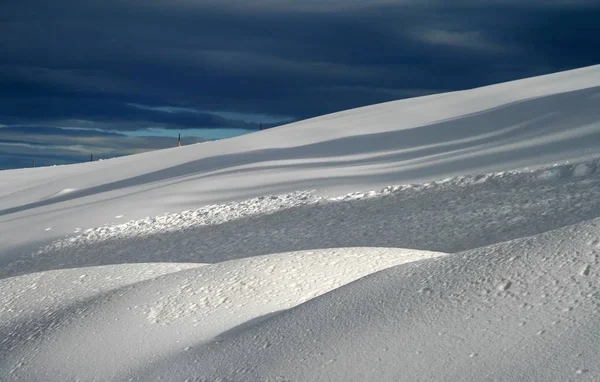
(493, 313)
(538, 121)
(161, 313)
(437, 216)
(452, 236)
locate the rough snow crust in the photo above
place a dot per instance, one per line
(445, 216)
(527, 309)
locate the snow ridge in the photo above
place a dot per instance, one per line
(434, 216)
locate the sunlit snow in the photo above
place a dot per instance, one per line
(446, 237)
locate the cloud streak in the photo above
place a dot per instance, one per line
(474, 40)
(228, 115)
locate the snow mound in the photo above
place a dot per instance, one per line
(141, 313)
(527, 309)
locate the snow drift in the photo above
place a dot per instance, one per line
(164, 309)
(527, 309)
(174, 264)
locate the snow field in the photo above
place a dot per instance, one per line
(99, 282)
(147, 311)
(532, 122)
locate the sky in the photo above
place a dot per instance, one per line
(117, 77)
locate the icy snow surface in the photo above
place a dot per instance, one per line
(449, 276)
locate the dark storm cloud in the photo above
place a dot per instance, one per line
(84, 63)
(275, 56)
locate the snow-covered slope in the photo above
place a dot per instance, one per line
(126, 268)
(128, 327)
(446, 216)
(523, 123)
(230, 306)
(528, 309)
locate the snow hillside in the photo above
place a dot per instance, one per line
(221, 309)
(210, 262)
(537, 121)
(444, 216)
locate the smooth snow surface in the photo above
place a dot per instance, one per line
(209, 262)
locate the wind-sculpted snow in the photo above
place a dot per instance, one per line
(532, 122)
(105, 333)
(527, 309)
(98, 281)
(148, 316)
(446, 216)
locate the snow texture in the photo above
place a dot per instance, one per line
(518, 310)
(481, 264)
